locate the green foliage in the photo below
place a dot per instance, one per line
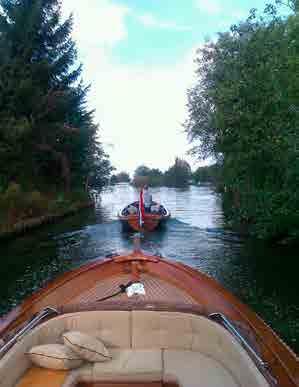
(156, 177)
(142, 170)
(178, 175)
(47, 135)
(12, 198)
(35, 204)
(210, 173)
(122, 177)
(13, 191)
(17, 205)
(243, 111)
(145, 175)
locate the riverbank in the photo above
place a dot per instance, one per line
(21, 211)
(19, 228)
(266, 229)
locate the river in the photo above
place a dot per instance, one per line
(263, 277)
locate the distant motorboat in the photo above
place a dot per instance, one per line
(130, 217)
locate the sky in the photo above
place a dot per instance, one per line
(138, 57)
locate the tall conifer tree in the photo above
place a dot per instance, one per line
(46, 128)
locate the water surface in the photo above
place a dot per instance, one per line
(263, 277)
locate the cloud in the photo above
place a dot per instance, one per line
(98, 24)
(211, 7)
(149, 20)
(140, 109)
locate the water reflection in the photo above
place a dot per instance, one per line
(264, 278)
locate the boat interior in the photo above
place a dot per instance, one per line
(178, 327)
(148, 348)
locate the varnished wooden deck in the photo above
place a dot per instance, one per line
(156, 290)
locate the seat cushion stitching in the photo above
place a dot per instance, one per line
(162, 360)
(131, 328)
(193, 334)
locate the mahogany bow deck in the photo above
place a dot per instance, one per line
(169, 285)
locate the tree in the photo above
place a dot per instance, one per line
(208, 173)
(145, 175)
(142, 170)
(178, 175)
(243, 112)
(46, 128)
(156, 177)
(122, 177)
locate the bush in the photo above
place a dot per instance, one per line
(11, 203)
(79, 196)
(13, 197)
(17, 205)
(36, 204)
(13, 191)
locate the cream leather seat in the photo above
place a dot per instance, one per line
(193, 369)
(127, 365)
(146, 346)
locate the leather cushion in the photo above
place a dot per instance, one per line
(54, 356)
(86, 346)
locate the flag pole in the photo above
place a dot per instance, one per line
(141, 209)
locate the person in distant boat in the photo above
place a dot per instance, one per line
(132, 210)
(147, 199)
(155, 208)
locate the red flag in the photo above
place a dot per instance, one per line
(141, 209)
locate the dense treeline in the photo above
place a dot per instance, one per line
(244, 111)
(48, 141)
(121, 177)
(207, 174)
(146, 175)
(178, 175)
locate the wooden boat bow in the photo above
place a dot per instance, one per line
(170, 286)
